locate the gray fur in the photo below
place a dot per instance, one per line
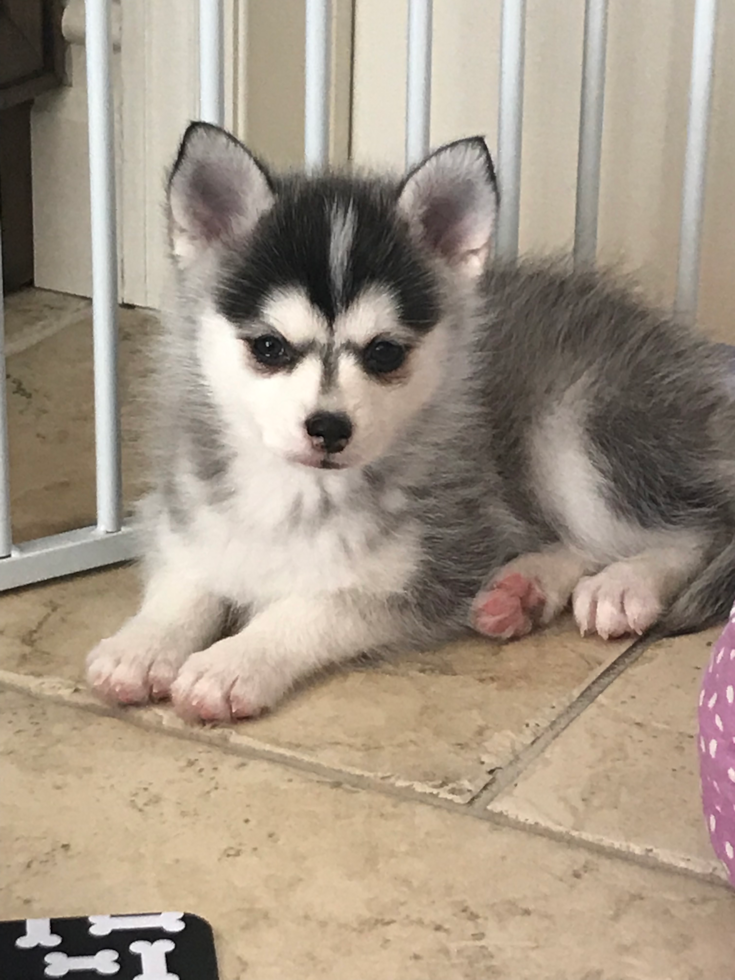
(660, 423)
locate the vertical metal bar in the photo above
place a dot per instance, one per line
(318, 58)
(6, 534)
(211, 65)
(510, 125)
(104, 263)
(590, 132)
(695, 160)
(418, 81)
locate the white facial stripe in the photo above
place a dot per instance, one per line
(343, 221)
(293, 316)
(372, 313)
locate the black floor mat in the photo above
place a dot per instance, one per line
(155, 946)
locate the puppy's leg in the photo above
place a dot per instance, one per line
(242, 675)
(141, 661)
(629, 596)
(529, 591)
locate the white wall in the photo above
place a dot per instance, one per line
(645, 124)
(61, 182)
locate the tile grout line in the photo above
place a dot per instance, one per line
(597, 686)
(68, 694)
(639, 856)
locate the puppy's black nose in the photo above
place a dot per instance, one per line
(329, 431)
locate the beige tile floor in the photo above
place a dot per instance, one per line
(521, 811)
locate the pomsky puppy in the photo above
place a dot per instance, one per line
(372, 437)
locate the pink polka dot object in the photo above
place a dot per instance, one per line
(717, 747)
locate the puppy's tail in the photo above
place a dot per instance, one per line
(706, 601)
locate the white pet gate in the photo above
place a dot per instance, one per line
(111, 539)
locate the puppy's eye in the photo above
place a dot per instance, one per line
(272, 351)
(384, 356)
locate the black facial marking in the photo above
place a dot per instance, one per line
(290, 249)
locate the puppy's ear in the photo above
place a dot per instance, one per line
(217, 191)
(451, 203)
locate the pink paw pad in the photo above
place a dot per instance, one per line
(511, 607)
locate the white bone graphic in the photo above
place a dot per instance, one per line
(153, 959)
(103, 925)
(38, 933)
(59, 964)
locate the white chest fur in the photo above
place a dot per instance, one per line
(288, 529)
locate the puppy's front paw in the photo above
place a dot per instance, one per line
(224, 685)
(131, 669)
